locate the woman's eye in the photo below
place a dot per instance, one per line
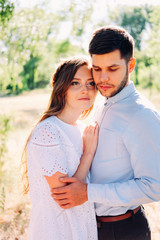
(91, 83)
(75, 83)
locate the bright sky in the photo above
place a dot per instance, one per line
(136, 2)
(112, 3)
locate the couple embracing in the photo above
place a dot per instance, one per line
(88, 184)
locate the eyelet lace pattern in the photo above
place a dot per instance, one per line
(49, 150)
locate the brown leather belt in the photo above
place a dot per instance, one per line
(119, 217)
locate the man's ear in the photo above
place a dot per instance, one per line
(131, 64)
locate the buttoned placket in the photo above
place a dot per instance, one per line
(106, 107)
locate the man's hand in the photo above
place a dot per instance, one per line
(74, 194)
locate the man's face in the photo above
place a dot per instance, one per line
(110, 73)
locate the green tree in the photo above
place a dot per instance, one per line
(134, 20)
(80, 15)
(29, 72)
(6, 11)
(31, 45)
(25, 36)
(153, 47)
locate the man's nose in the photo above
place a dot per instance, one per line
(104, 76)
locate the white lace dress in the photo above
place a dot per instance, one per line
(50, 150)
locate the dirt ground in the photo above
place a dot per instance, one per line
(24, 111)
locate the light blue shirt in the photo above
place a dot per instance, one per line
(126, 168)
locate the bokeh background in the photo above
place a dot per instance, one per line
(34, 37)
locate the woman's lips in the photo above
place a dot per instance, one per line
(85, 99)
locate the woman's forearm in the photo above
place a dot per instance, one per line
(84, 166)
(90, 139)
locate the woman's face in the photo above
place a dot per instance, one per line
(82, 91)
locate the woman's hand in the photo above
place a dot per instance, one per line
(90, 139)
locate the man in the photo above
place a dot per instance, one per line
(125, 172)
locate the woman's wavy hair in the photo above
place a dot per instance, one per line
(60, 82)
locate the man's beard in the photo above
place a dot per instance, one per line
(122, 84)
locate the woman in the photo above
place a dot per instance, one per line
(54, 149)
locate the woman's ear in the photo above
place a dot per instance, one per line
(131, 64)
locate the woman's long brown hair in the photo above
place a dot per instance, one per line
(61, 81)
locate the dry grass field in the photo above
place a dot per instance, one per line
(24, 111)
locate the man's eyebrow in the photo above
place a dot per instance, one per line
(114, 65)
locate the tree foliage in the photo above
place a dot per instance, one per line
(6, 11)
(34, 40)
(139, 22)
(31, 48)
(134, 20)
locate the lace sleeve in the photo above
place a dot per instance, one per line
(45, 151)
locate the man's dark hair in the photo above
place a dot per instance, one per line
(109, 39)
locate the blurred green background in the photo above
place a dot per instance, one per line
(34, 36)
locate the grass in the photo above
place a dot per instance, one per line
(25, 109)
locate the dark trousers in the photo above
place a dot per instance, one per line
(133, 228)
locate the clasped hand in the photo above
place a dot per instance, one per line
(75, 191)
(71, 195)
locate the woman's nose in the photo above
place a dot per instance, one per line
(84, 87)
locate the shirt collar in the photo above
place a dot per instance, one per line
(125, 92)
